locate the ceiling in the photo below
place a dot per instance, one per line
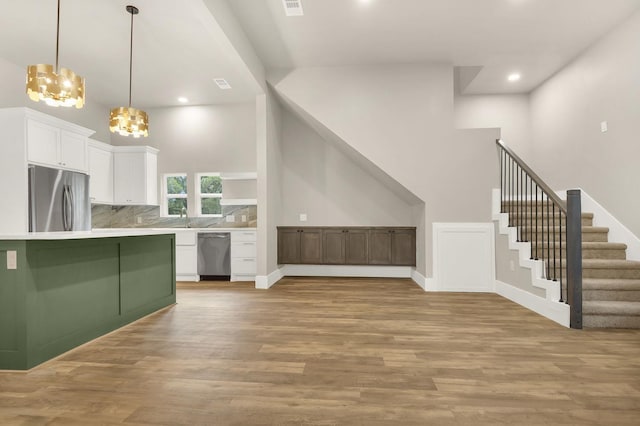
(179, 46)
(533, 37)
(177, 50)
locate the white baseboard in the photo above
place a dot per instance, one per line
(419, 279)
(347, 271)
(555, 311)
(265, 282)
(192, 278)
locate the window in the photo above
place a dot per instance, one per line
(175, 194)
(209, 194)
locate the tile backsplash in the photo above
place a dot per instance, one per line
(104, 216)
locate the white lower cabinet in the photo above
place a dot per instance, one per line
(186, 256)
(243, 255)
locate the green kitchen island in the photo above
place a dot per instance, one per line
(60, 290)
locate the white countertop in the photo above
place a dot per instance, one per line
(111, 232)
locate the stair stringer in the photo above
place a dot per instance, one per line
(549, 306)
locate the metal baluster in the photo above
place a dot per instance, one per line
(536, 227)
(554, 240)
(501, 180)
(526, 200)
(565, 260)
(542, 227)
(548, 241)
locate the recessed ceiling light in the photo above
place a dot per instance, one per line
(514, 77)
(183, 99)
(222, 83)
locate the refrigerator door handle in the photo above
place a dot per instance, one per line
(32, 199)
(67, 208)
(72, 209)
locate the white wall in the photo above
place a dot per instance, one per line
(509, 113)
(568, 148)
(12, 86)
(400, 118)
(331, 189)
(193, 139)
(269, 152)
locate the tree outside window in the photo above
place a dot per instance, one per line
(209, 194)
(175, 194)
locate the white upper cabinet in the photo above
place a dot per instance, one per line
(56, 143)
(101, 172)
(135, 172)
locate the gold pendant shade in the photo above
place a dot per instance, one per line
(64, 88)
(53, 85)
(129, 121)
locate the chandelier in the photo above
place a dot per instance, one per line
(55, 86)
(128, 121)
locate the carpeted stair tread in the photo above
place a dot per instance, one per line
(619, 284)
(610, 264)
(607, 307)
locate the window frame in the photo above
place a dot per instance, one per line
(199, 195)
(166, 196)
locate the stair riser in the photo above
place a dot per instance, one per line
(587, 237)
(586, 254)
(611, 273)
(527, 221)
(612, 295)
(610, 321)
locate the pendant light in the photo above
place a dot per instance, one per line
(126, 120)
(55, 86)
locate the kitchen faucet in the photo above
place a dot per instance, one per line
(187, 222)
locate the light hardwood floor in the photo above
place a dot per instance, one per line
(335, 351)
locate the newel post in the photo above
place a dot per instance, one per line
(574, 256)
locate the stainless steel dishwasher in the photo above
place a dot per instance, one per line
(214, 257)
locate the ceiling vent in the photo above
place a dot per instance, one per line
(293, 7)
(222, 83)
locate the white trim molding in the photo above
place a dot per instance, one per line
(555, 311)
(419, 279)
(265, 282)
(548, 306)
(469, 244)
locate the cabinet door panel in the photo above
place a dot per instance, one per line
(311, 246)
(379, 247)
(357, 247)
(101, 172)
(186, 260)
(403, 247)
(288, 246)
(42, 143)
(129, 172)
(73, 151)
(333, 246)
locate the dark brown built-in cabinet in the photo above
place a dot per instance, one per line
(347, 246)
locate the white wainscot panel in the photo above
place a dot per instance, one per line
(464, 257)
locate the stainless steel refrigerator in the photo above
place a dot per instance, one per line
(58, 200)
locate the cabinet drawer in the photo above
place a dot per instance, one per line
(243, 265)
(243, 236)
(243, 249)
(185, 238)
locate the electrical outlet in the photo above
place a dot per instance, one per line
(138, 220)
(604, 126)
(12, 259)
(303, 217)
(231, 218)
(244, 218)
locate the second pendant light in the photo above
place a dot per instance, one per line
(127, 120)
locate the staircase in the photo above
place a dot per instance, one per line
(610, 284)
